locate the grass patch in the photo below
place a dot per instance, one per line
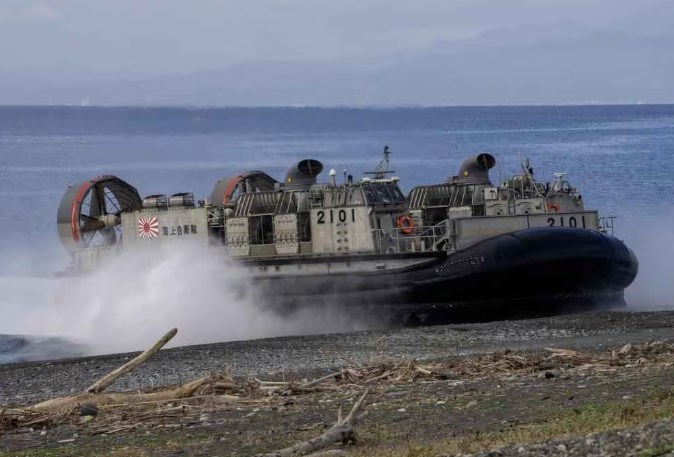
(655, 452)
(561, 422)
(131, 445)
(75, 450)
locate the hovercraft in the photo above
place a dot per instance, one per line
(464, 249)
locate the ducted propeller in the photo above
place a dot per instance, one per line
(89, 213)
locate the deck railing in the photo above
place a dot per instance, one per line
(414, 239)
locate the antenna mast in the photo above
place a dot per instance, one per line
(382, 169)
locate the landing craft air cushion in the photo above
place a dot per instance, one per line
(464, 249)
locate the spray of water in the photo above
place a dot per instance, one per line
(652, 240)
(133, 299)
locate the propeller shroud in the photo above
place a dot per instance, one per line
(89, 212)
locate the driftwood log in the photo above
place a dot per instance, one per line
(94, 393)
(60, 404)
(342, 431)
(100, 385)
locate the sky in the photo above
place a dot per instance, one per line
(109, 38)
(101, 41)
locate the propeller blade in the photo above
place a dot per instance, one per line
(94, 203)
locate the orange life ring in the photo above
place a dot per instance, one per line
(405, 224)
(553, 207)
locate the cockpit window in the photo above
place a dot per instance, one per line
(396, 192)
(370, 195)
(382, 193)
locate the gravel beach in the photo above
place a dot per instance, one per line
(310, 356)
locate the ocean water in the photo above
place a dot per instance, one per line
(620, 157)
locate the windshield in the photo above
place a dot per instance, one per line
(383, 193)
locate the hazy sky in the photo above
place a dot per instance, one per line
(109, 38)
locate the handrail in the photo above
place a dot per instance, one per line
(606, 224)
(422, 239)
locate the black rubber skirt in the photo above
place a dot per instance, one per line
(532, 272)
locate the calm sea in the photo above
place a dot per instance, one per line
(621, 157)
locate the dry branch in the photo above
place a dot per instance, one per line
(377, 378)
(341, 431)
(100, 385)
(323, 379)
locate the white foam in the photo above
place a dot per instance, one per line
(130, 302)
(651, 237)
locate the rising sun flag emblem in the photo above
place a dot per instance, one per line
(148, 227)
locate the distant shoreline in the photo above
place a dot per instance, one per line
(343, 107)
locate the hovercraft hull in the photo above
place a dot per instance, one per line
(532, 272)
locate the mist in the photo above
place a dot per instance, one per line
(132, 300)
(652, 240)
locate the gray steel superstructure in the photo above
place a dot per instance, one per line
(461, 246)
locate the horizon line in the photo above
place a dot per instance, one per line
(339, 106)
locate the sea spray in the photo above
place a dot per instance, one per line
(651, 238)
(134, 298)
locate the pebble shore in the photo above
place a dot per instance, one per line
(24, 383)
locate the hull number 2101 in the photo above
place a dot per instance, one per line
(333, 215)
(564, 221)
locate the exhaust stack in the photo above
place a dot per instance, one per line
(303, 174)
(475, 170)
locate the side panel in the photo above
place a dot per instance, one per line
(341, 230)
(142, 228)
(335, 265)
(358, 229)
(529, 206)
(459, 212)
(496, 208)
(285, 234)
(469, 231)
(585, 219)
(322, 231)
(237, 237)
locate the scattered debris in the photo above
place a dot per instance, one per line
(509, 362)
(343, 431)
(193, 402)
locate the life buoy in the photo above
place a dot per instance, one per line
(553, 207)
(405, 224)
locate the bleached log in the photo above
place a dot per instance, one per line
(100, 385)
(65, 403)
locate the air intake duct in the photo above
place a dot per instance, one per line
(155, 201)
(475, 170)
(182, 199)
(303, 174)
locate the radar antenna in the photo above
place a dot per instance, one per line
(382, 169)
